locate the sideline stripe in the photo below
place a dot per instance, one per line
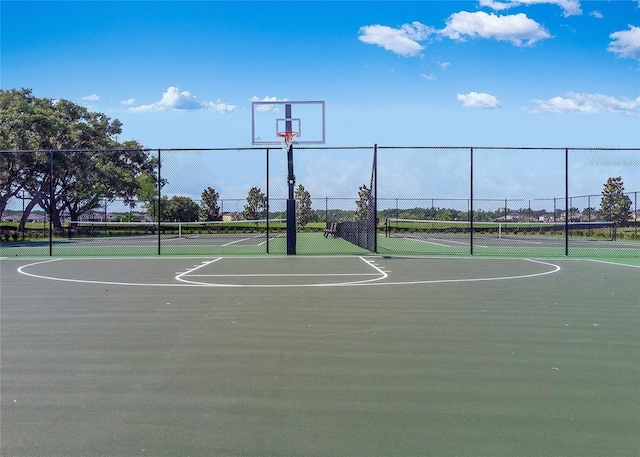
(606, 262)
(442, 242)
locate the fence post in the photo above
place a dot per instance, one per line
(326, 211)
(159, 199)
(635, 214)
(566, 202)
(52, 202)
(471, 203)
(267, 202)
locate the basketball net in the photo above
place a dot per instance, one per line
(287, 139)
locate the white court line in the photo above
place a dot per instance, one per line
(431, 241)
(373, 282)
(376, 277)
(270, 239)
(450, 241)
(519, 240)
(498, 278)
(426, 241)
(283, 275)
(236, 241)
(458, 242)
(613, 263)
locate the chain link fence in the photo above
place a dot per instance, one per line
(541, 202)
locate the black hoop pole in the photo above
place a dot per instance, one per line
(291, 181)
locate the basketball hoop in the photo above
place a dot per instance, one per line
(287, 139)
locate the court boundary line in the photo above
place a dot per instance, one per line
(431, 240)
(369, 282)
(380, 276)
(606, 262)
(556, 269)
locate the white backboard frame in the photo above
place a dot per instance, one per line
(268, 118)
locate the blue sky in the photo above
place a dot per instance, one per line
(549, 73)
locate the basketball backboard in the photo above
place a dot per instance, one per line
(270, 120)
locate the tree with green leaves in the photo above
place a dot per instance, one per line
(256, 205)
(362, 204)
(182, 209)
(615, 206)
(81, 179)
(304, 212)
(147, 194)
(209, 208)
(444, 215)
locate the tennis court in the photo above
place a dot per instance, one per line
(517, 239)
(429, 238)
(318, 355)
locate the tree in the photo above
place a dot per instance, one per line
(589, 213)
(362, 203)
(182, 209)
(445, 215)
(615, 206)
(209, 208)
(304, 213)
(11, 176)
(147, 193)
(574, 214)
(81, 179)
(256, 205)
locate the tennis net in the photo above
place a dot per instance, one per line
(362, 232)
(417, 227)
(83, 229)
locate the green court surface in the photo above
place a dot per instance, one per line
(319, 356)
(227, 245)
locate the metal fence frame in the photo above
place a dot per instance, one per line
(472, 199)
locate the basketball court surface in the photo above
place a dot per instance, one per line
(316, 356)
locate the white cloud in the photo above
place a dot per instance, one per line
(518, 29)
(266, 108)
(430, 77)
(586, 103)
(128, 102)
(402, 41)
(496, 6)
(444, 65)
(174, 100)
(91, 98)
(219, 106)
(570, 7)
(596, 14)
(478, 100)
(626, 43)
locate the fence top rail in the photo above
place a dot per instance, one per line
(514, 148)
(8, 151)
(461, 148)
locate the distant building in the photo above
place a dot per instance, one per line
(229, 217)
